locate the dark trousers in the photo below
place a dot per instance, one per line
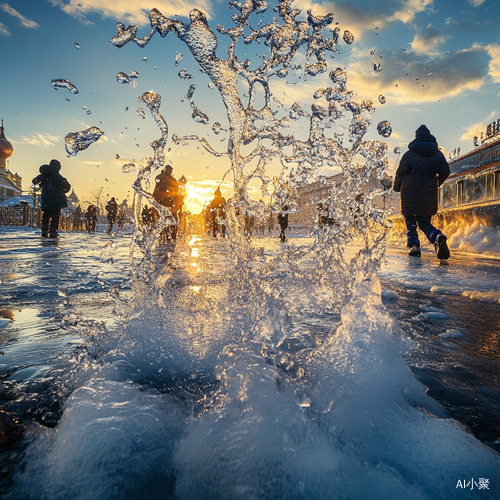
(50, 220)
(424, 224)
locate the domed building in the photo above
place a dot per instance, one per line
(10, 184)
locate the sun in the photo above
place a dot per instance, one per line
(197, 196)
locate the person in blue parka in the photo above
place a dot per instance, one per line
(54, 188)
(420, 173)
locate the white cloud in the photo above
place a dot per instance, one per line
(494, 53)
(360, 19)
(409, 77)
(27, 23)
(39, 139)
(4, 30)
(427, 39)
(476, 3)
(476, 129)
(131, 11)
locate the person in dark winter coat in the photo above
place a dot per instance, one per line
(166, 193)
(420, 173)
(112, 208)
(54, 188)
(217, 214)
(283, 222)
(91, 216)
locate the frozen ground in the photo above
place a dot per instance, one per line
(101, 399)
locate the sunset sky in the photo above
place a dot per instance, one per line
(440, 66)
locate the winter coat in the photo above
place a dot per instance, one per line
(54, 186)
(166, 191)
(421, 171)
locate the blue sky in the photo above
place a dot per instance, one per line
(440, 66)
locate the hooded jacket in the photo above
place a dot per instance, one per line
(421, 171)
(54, 186)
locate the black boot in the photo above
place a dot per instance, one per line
(414, 251)
(442, 250)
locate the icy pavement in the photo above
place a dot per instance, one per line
(67, 346)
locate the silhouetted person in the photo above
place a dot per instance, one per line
(112, 209)
(283, 222)
(217, 214)
(120, 220)
(77, 218)
(421, 171)
(54, 188)
(91, 216)
(166, 193)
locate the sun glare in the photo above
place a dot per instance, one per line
(197, 197)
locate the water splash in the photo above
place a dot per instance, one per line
(381, 99)
(122, 78)
(140, 113)
(133, 74)
(216, 127)
(198, 116)
(178, 58)
(77, 45)
(377, 67)
(185, 75)
(79, 141)
(64, 84)
(128, 168)
(348, 37)
(384, 129)
(397, 150)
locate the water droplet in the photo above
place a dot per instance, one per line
(178, 58)
(154, 67)
(198, 116)
(122, 78)
(84, 107)
(184, 75)
(373, 52)
(77, 45)
(384, 129)
(190, 92)
(64, 84)
(348, 37)
(79, 141)
(377, 67)
(211, 85)
(68, 100)
(397, 150)
(381, 99)
(216, 127)
(89, 112)
(144, 58)
(128, 168)
(117, 156)
(133, 74)
(429, 74)
(140, 112)
(127, 108)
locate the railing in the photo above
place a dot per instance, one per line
(20, 216)
(32, 217)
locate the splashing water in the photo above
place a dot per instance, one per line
(184, 75)
(77, 45)
(122, 78)
(190, 92)
(140, 113)
(384, 129)
(343, 414)
(381, 99)
(178, 58)
(397, 150)
(216, 127)
(377, 67)
(373, 52)
(348, 37)
(133, 74)
(79, 141)
(128, 168)
(64, 84)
